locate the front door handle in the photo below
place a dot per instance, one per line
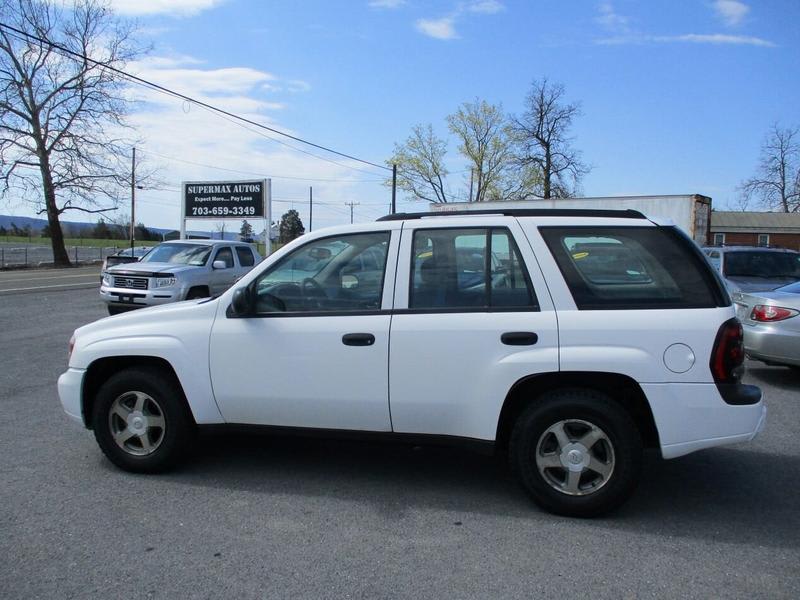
(358, 339)
(519, 338)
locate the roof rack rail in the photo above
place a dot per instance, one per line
(522, 212)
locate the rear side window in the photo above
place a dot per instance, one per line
(762, 263)
(471, 268)
(617, 268)
(245, 256)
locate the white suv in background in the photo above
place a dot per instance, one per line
(570, 339)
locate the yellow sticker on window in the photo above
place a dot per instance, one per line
(580, 255)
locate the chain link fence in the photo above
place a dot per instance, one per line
(15, 256)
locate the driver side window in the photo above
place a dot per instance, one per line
(334, 274)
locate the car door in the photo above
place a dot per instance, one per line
(222, 279)
(315, 352)
(472, 317)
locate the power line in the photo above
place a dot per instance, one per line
(186, 98)
(197, 164)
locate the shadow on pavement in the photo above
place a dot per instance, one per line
(731, 495)
(784, 378)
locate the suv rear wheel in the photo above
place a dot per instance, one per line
(576, 452)
(140, 420)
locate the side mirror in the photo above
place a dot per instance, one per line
(242, 303)
(219, 264)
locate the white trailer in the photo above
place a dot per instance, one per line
(690, 212)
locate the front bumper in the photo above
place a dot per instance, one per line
(693, 416)
(771, 343)
(129, 298)
(70, 385)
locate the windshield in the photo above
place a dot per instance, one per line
(762, 263)
(179, 254)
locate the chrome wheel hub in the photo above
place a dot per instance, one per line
(575, 457)
(137, 423)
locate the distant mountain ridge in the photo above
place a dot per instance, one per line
(78, 228)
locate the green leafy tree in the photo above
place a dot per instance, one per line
(246, 232)
(482, 132)
(291, 226)
(144, 234)
(420, 165)
(101, 231)
(3, 231)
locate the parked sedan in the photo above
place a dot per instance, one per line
(771, 323)
(749, 269)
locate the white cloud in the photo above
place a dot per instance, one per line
(715, 38)
(694, 38)
(179, 8)
(386, 3)
(487, 7)
(444, 28)
(440, 29)
(610, 20)
(172, 132)
(732, 12)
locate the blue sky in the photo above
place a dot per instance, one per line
(676, 95)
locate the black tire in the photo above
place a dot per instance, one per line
(115, 310)
(571, 410)
(197, 292)
(166, 404)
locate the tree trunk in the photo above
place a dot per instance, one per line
(60, 256)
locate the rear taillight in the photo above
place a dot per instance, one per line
(764, 313)
(727, 356)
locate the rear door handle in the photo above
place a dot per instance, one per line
(519, 338)
(358, 339)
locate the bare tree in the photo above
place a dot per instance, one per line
(542, 137)
(777, 183)
(420, 164)
(61, 117)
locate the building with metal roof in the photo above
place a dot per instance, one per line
(729, 228)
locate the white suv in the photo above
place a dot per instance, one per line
(571, 339)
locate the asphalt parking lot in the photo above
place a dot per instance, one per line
(287, 518)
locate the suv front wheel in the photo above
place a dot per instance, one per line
(140, 420)
(576, 452)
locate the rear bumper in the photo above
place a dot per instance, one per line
(70, 385)
(770, 344)
(693, 416)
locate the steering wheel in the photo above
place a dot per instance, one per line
(312, 289)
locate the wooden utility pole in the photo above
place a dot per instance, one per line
(471, 177)
(351, 204)
(394, 188)
(310, 207)
(133, 199)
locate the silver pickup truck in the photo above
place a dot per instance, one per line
(174, 271)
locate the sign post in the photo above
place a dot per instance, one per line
(221, 200)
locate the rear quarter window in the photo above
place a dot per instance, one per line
(618, 268)
(245, 255)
